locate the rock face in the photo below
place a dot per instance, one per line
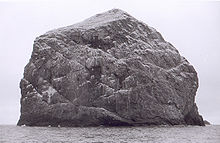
(110, 69)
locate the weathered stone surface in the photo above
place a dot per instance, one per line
(110, 69)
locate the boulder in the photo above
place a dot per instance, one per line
(111, 70)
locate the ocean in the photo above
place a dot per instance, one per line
(164, 134)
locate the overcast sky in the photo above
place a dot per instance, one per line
(192, 27)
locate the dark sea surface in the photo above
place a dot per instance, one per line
(167, 134)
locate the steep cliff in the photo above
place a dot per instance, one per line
(110, 69)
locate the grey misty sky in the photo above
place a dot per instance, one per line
(192, 27)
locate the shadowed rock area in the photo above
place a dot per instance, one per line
(110, 69)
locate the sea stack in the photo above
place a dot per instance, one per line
(111, 70)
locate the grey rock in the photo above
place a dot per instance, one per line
(207, 122)
(110, 69)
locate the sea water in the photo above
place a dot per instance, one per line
(165, 134)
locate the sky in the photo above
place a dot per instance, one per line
(191, 26)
